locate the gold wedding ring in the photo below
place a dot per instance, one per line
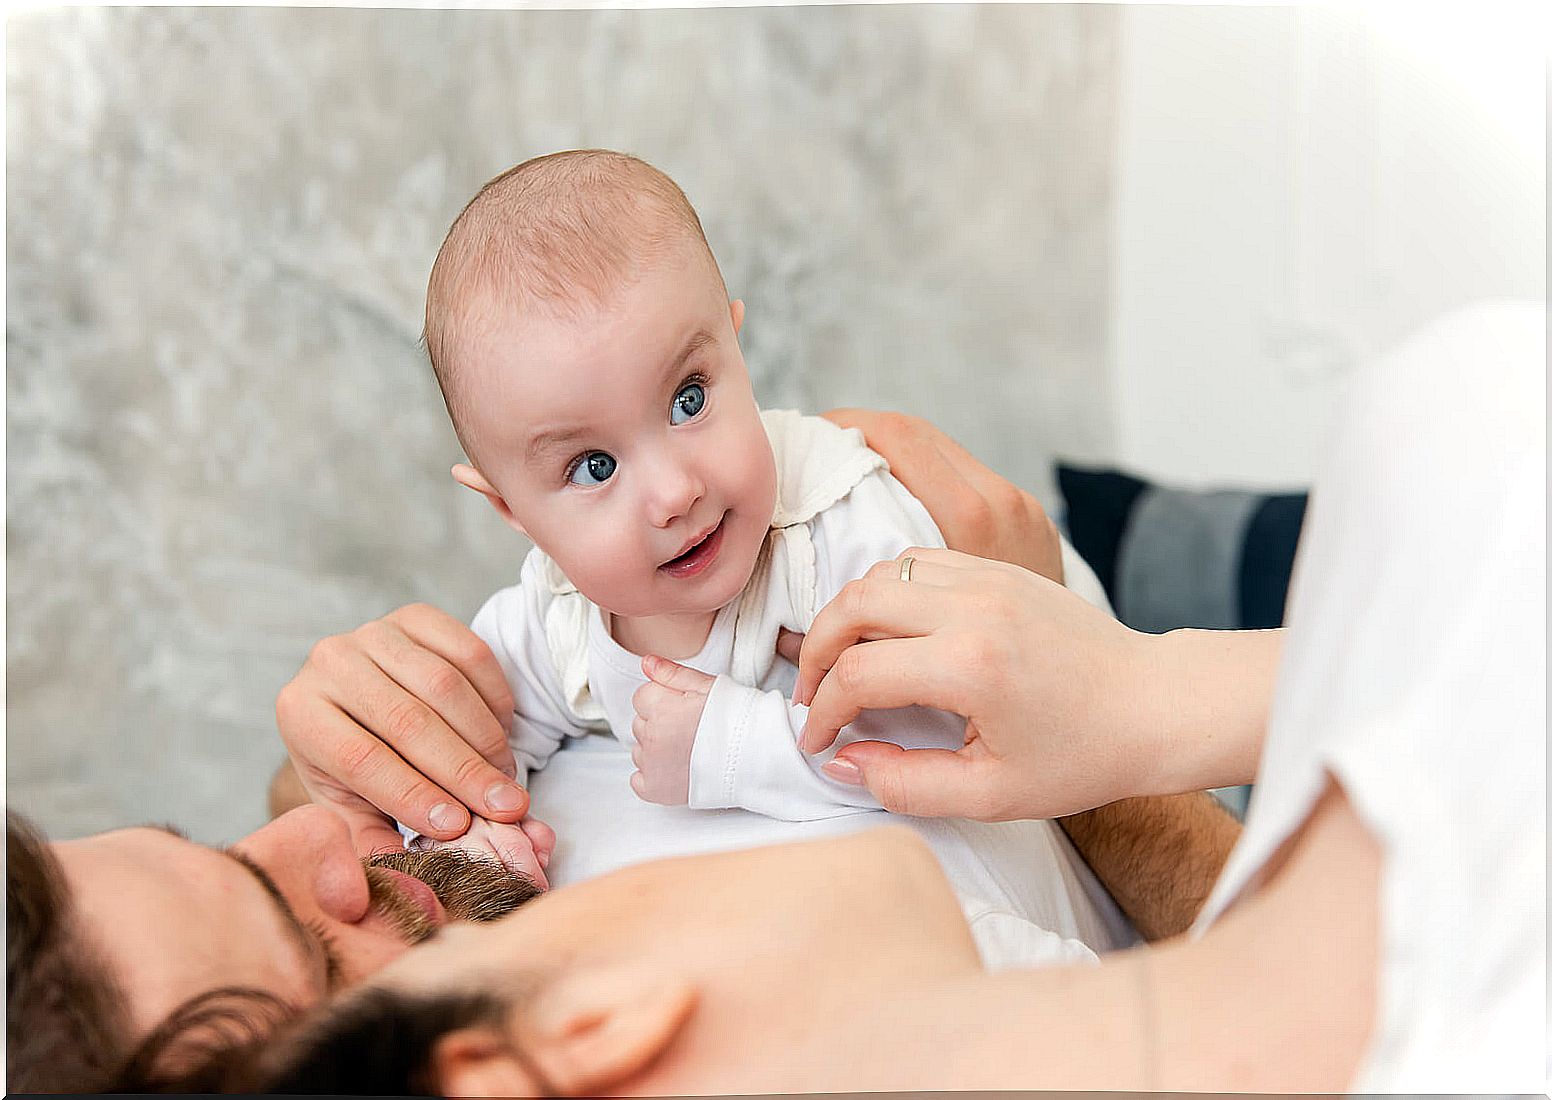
(905, 568)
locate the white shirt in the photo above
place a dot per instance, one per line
(1414, 672)
(1026, 892)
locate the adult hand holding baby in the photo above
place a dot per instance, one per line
(978, 511)
(400, 717)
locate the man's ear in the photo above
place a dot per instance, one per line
(594, 1028)
(470, 478)
(736, 311)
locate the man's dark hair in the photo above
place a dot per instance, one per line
(66, 1020)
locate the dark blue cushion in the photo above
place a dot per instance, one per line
(1173, 558)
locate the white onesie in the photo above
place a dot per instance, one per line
(838, 512)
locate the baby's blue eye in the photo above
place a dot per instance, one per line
(594, 469)
(688, 403)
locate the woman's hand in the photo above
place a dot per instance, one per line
(977, 511)
(403, 718)
(1055, 693)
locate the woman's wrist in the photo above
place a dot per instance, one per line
(1202, 705)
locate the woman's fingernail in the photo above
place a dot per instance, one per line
(544, 857)
(843, 771)
(802, 737)
(504, 797)
(446, 816)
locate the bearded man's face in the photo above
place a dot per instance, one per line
(469, 887)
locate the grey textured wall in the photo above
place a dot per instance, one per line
(222, 442)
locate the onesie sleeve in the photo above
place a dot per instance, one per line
(746, 755)
(875, 522)
(512, 623)
(746, 752)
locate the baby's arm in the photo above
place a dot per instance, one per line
(712, 743)
(745, 750)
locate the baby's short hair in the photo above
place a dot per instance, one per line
(562, 230)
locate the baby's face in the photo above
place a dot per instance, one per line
(626, 441)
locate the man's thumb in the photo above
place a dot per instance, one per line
(921, 782)
(370, 834)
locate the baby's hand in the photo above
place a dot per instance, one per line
(524, 847)
(668, 712)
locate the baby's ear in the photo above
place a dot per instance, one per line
(736, 311)
(470, 478)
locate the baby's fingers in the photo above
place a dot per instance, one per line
(542, 837)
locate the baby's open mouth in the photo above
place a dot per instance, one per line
(698, 556)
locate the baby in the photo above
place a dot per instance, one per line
(587, 352)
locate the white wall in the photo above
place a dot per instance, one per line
(1297, 190)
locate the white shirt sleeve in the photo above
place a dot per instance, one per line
(1414, 673)
(512, 623)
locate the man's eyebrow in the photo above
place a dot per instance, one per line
(312, 946)
(552, 440)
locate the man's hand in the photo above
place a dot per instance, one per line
(668, 712)
(978, 511)
(524, 848)
(405, 717)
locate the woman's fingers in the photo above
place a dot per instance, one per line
(881, 675)
(877, 606)
(881, 604)
(921, 782)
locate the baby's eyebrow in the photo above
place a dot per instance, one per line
(554, 440)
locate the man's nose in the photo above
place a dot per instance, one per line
(308, 854)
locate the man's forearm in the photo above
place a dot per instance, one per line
(1158, 856)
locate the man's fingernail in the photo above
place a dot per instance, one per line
(445, 816)
(843, 771)
(504, 797)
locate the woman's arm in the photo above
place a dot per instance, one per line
(1279, 996)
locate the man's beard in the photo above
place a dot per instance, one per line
(470, 887)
